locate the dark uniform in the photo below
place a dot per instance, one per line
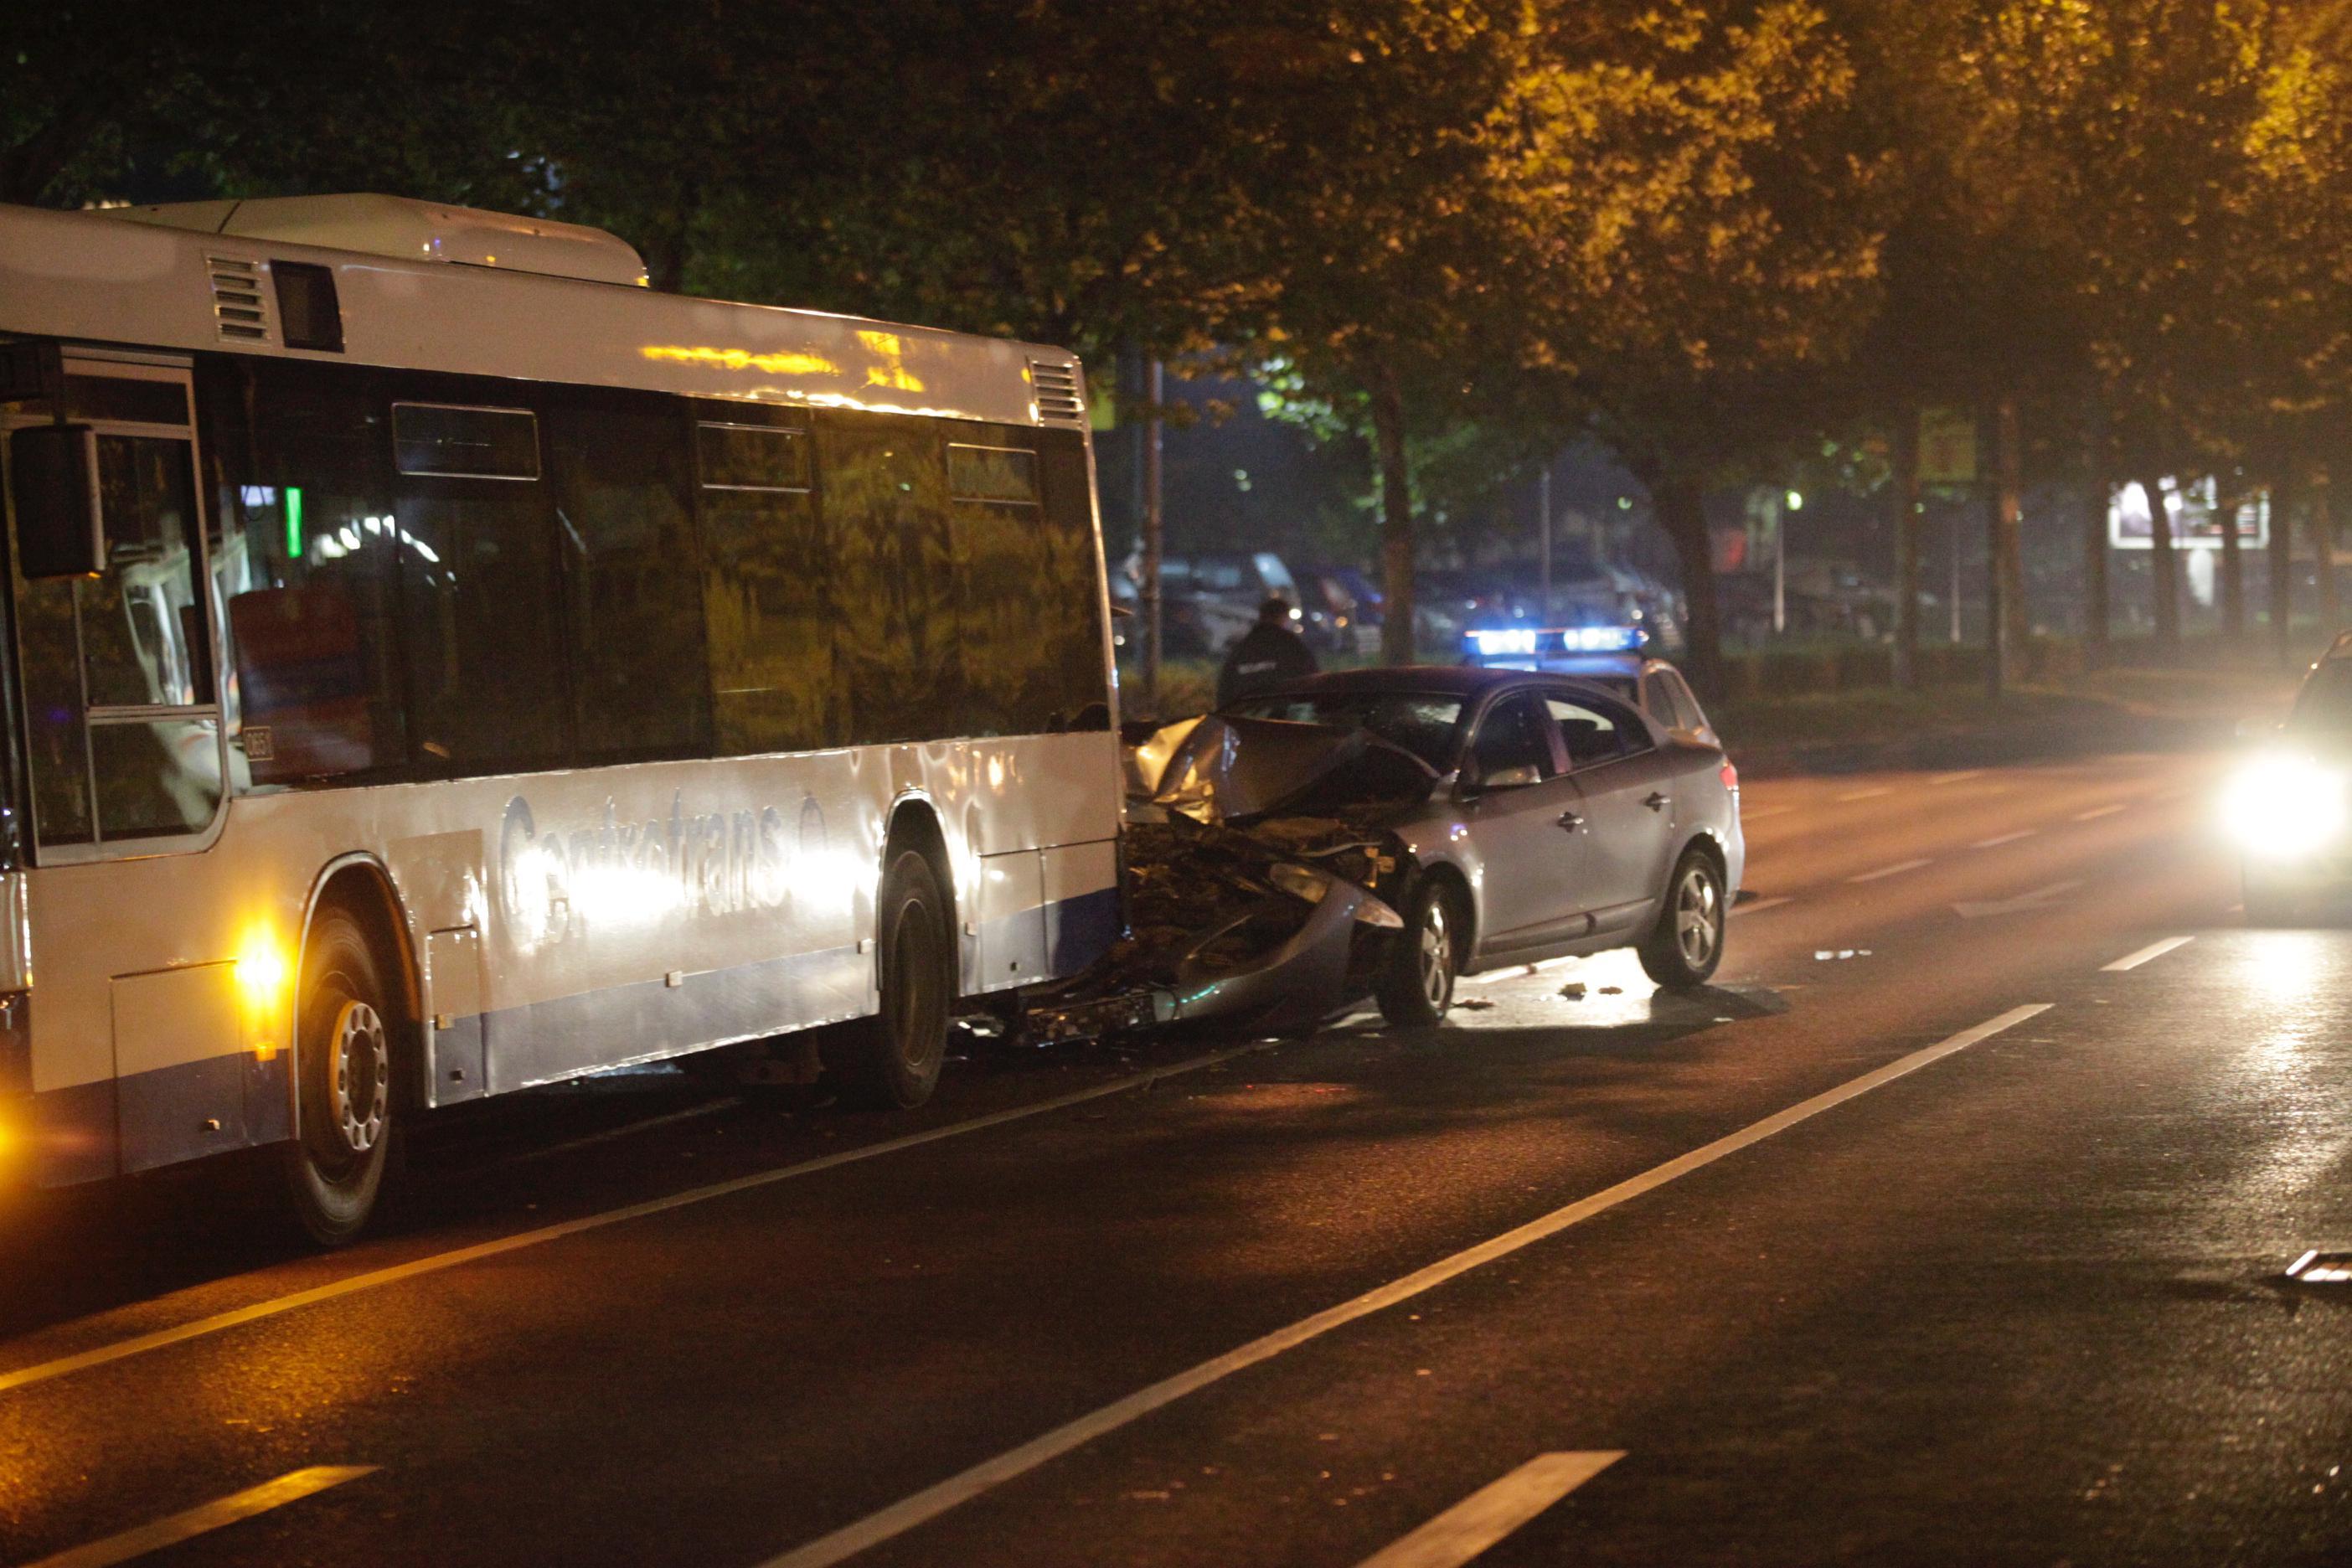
(1269, 655)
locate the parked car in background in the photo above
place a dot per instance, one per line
(1332, 619)
(1207, 601)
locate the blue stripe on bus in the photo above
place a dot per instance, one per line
(92, 1131)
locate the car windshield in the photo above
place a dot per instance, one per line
(2323, 706)
(1422, 723)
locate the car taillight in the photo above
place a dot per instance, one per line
(1731, 776)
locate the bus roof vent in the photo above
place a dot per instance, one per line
(1060, 400)
(240, 306)
(419, 231)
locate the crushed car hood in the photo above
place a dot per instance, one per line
(1234, 771)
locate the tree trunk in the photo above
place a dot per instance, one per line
(1681, 505)
(2008, 564)
(2162, 568)
(2234, 568)
(2284, 502)
(2323, 550)
(1396, 516)
(1906, 486)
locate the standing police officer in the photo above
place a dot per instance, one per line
(1270, 654)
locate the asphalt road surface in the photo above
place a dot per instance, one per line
(1952, 1226)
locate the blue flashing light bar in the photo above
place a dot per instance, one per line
(1527, 642)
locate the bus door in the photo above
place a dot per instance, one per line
(122, 730)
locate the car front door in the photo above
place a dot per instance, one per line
(1525, 821)
(1627, 783)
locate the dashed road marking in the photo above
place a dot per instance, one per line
(1763, 811)
(1757, 906)
(122, 1350)
(1999, 839)
(924, 1506)
(1959, 777)
(2152, 950)
(1493, 1511)
(1895, 870)
(292, 1487)
(1867, 794)
(2097, 812)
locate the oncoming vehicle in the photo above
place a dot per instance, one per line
(2289, 806)
(1550, 819)
(440, 666)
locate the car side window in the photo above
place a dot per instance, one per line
(1658, 697)
(1595, 732)
(1511, 746)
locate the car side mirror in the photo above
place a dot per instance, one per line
(1515, 778)
(53, 481)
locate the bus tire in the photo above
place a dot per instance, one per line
(892, 1060)
(347, 1040)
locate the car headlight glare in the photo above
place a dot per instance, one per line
(2277, 806)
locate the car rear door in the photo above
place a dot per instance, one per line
(1627, 783)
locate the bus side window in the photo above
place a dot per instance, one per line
(885, 502)
(634, 620)
(303, 548)
(487, 689)
(1069, 594)
(767, 591)
(1001, 565)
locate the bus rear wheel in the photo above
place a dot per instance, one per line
(346, 1042)
(893, 1059)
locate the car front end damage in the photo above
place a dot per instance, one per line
(1261, 881)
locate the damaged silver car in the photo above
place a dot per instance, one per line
(1383, 832)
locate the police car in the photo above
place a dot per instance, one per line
(1611, 658)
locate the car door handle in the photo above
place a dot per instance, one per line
(1656, 801)
(1571, 821)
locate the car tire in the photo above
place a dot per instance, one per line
(350, 1041)
(892, 1060)
(1416, 984)
(1682, 950)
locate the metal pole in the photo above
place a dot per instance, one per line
(1543, 505)
(1956, 578)
(1151, 537)
(1779, 568)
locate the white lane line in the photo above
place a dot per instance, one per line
(936, 1499)
(1999, 839)
(2152, 950)
(1958, 778)
(1867, 794)
(292, 1487)
(1763, 811)
(1493, 1511)
(2099, 811)
(1895, 870)
(1757, 906)
(124, 1349)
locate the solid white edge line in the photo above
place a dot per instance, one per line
(2097, 812)
(2153, 950)
(938, 1499)
(1895, 870)
(1996, 842)
(1757, 906)
(1493, 1511)
(122, 1350)
(292, 1487)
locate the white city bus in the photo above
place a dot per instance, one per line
(438, 665)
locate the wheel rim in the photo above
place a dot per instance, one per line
(1436, 955)
(1698, 916)
(360, 1094)
(914, 990)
